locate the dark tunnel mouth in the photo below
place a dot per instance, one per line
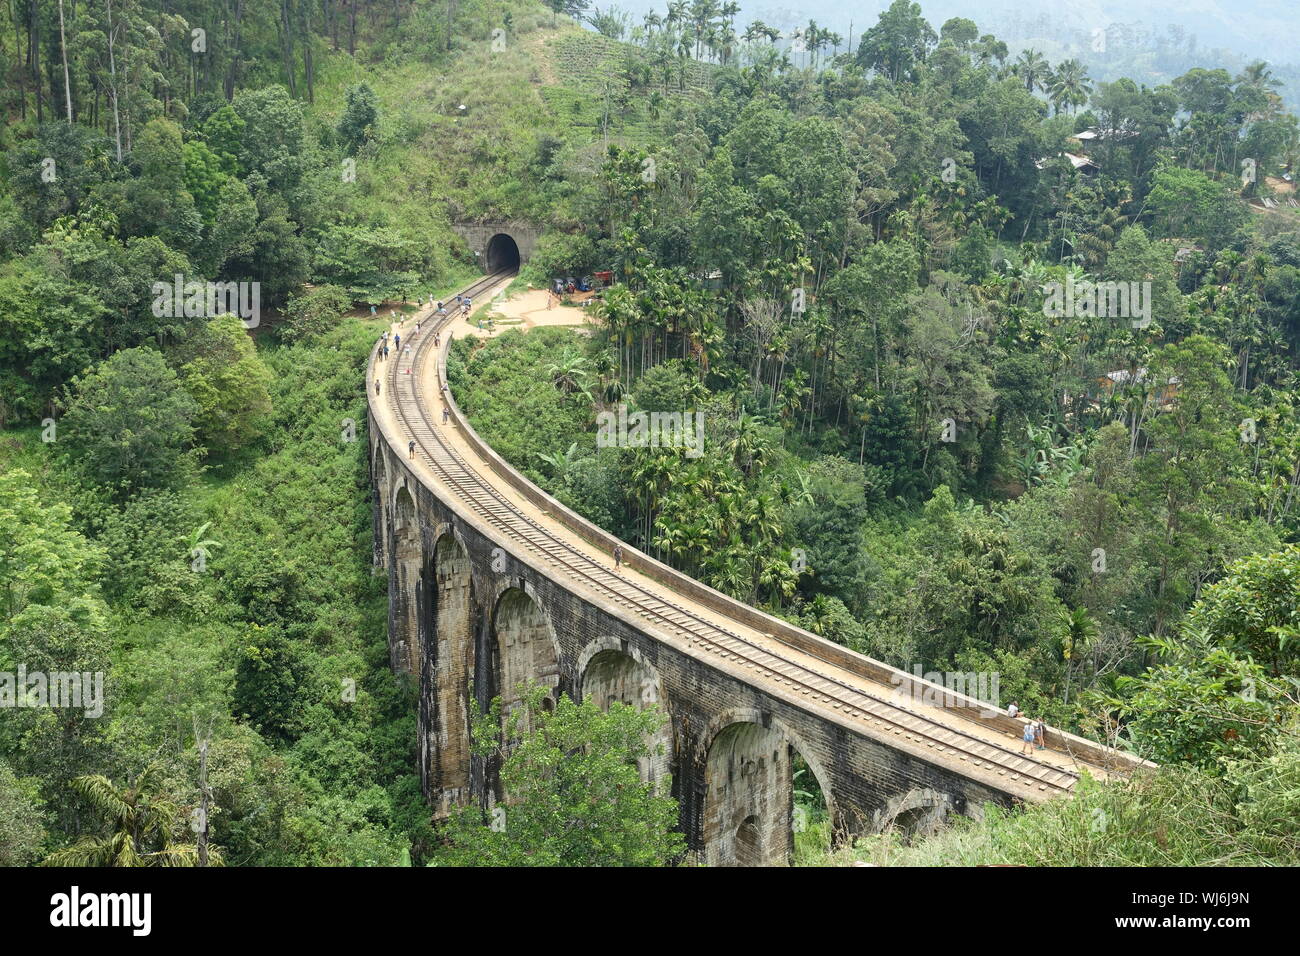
(502, 253)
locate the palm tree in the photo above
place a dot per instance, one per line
(729, 10)
(779, 578)
(1033, 69)
(1077, 633)
(754, 31)
(1069, 86)
(661, 58)
(726, 40)
(703, 13)
(748, 448)
(570, 374)
(1258, 76)
(143, 826)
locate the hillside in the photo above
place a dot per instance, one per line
(995, 364)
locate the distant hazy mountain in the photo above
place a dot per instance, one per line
(1150, 40)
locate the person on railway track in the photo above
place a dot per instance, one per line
(1027, 738)
(618, 557)
(446, 414)
(410, 448)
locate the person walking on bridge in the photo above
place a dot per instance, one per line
(618, 557)
(376, 386)
(1040, 734)
(410, 448)
(446, 414)
(1027, 738)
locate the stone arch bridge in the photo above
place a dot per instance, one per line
(492, 582)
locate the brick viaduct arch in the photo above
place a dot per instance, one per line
(468, 629)
(473, 611)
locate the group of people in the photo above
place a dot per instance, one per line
(1034, 735)
(463, 304)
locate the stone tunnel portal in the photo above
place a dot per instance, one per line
(502, 253)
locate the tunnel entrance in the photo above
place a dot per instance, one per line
(502, 253)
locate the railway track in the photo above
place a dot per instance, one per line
(796, 674)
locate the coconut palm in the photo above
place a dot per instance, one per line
(1258, 76)
(1068, 86)
(143, 826)
(570, 373)
(1033, 70)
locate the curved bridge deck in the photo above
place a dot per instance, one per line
(822, 679)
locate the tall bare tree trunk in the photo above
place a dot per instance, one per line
(18, 48)
(112, 70)
(308, 64)
(205, 795)
(34, 58)
(67, 82)
(232, 74)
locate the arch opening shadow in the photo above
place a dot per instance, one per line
(502, 253)
(526, 650)
(747, 798)
(614, 677)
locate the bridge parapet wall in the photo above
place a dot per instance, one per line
(908, 684)
(719, 773)
(730, 738)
